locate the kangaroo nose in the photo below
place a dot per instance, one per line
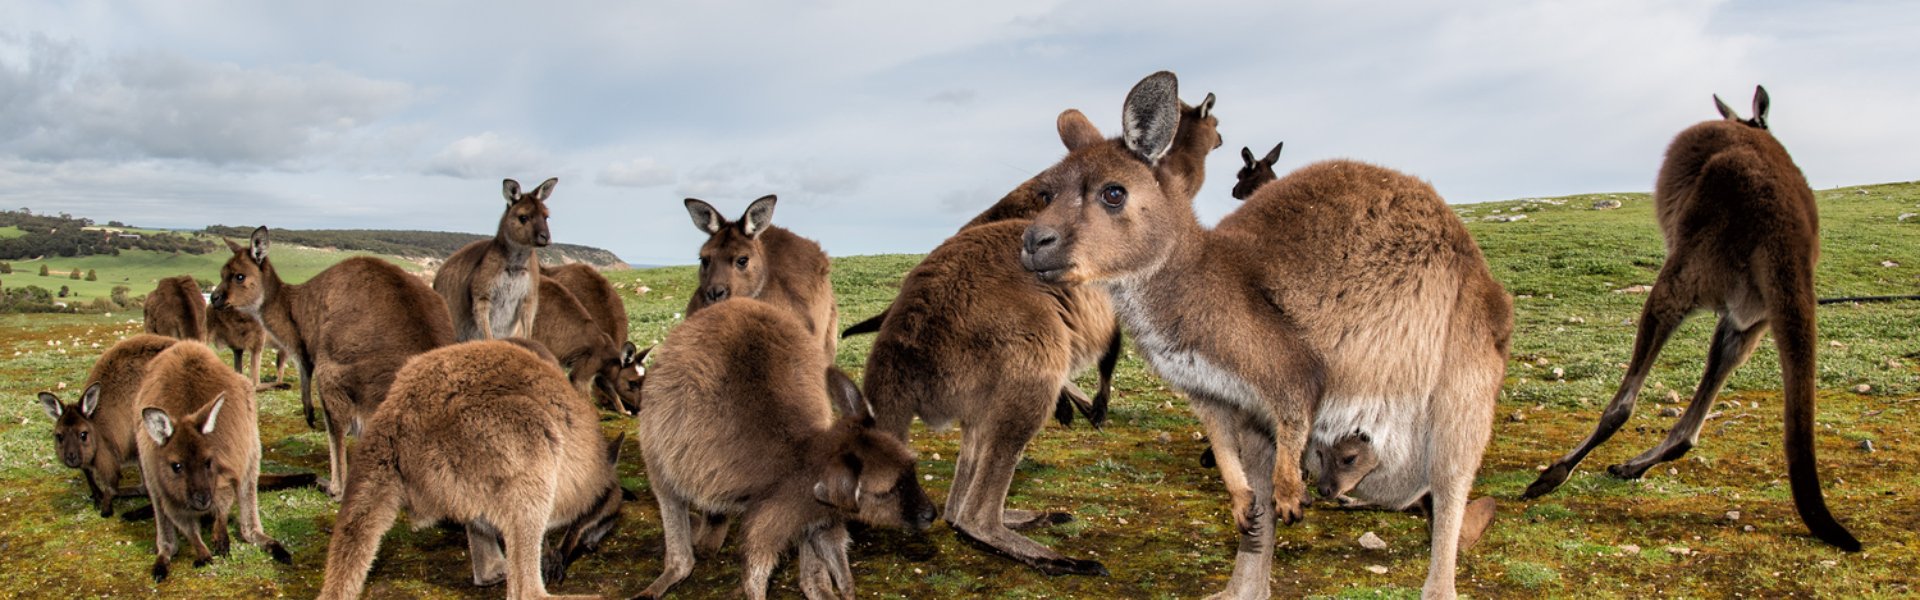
(1038, 238)
(717, 293)
(200, 500)
(217, 299)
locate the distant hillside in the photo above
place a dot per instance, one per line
(415, 244)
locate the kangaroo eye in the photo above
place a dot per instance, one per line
(239, 277)
(740, 262)
(58, 437)
(523, 219)
(1046, 197)
(703, 262)
(1348, 461)
(1113, 196)
(177, 467)
(83, 436)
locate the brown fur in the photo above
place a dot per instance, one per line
(751, 258)
(96, 434)
(193, 472)
(600, 299)
(595, 361)
(1272, 323)
(738, 421)
(349, 328)
(244, 336)
(1256, 172)
(1743, 235)
(176, 309)
(489, 285)
(485, 434)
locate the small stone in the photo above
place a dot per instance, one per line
(1629, 549)
(1121, 520)
(1829, 563)
(1673, 396)
(1164, 437)
(1576, 320)
(1747, 528)
(936, 456)
(1606, 205)
(1634, 289)
(1197, 436)
(1517, 416)
(1889, 264)
(1559, 373)
(1866, 445)
(1905, 216)
(928, 477)
(1835, 344)
(1673, 471)
(1539, 468)
(1733, 515)
(1382, 570)
(1862, 388)
(1678, 550)
(1372, 542)
(60, 386)
(1670, 412)
(1542, 361)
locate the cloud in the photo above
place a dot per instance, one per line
(486, 155)
(952, 97)
(641, 172)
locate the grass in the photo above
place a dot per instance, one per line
(139, 270)
(9, 232)
(1158, 520)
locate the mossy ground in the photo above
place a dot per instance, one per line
(1147, 509)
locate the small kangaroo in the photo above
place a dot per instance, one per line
(1340, 466)
(1743, 234)
(489, 285)
(738, 421)
(1256, 172)
(96, 434)
(200, 454)
(349, 328)
(1270, 323)
(487, 434)
(244, 336)
(176, 309)
(753, 258)
(596, 361)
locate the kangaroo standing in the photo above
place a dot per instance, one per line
(244, 336)
(753, 258)
(1272, 323)
(96, 434)
(1743, 234)
(349, 328)
(176, 309)
(200, 454)
(489, 285)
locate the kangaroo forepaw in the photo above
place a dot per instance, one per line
(279, 553)
(160, 570)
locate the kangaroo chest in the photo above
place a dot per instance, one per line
(1183, 365)
(508, 291)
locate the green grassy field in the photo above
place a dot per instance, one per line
(140, 269)
(1145, 508)
(9, 232)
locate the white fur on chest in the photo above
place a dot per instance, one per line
(507, 293)
(1187, 370)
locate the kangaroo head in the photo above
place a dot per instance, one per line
(186, 455)
(622, 378)
(1760, 102)
(731, 261)
(525, 222)
(1256, 172)
(73, 435)
(869, 474)
(1111, 204)
(1344, 463)
(243, 277)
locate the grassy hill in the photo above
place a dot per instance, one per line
(1158, 520)
(140, 269)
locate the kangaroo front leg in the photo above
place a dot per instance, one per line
(482, 310)
(523, 319)
(1253, 562)
(485, 552)
(1289, 444)
(1223, 437)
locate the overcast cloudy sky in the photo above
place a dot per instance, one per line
(883, 125)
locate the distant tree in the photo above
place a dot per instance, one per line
(91, 276)
(75, 275)
(64, 291)
(6, 268)
(119, 295)
(43, 270)
(116, 224)
(104, 305)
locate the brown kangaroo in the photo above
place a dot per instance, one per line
(600, 299)
(1271, 322)
(1256, 172)
(753, 258)
(738, 421)
(1743, 235)
(596, 362)
(96, 434)
(176, 309)
(971, 293)
(349, 328)
(1339, 465)
(244, 336)
(487, 434)
(200, 454)
(489, 285)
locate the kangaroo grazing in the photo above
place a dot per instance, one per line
(244, 336)
(596, 361)
(199, 454)
(1271, 322)
(753, 258)
(971, 293)
(600, 299)
(487, 434)
(1742, 234)
(1256, 172)
(489, 285)
(176, 309)
(96, 434)
(349, 328)
(738, 421)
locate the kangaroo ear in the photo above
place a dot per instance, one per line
(259, 241)
(1151, 116)
(235, 248)
(844, 393)
(1206, 106)
(90, 400)
(158, 424)
(510, 189)
(613, 448)
(546, 189)
(704, 216)
(1274, 156)
(1246, 155)
(759, 215)
(1760, 102)
(51, 404)
(839, 486)
(213, 414)
(1726, 112)
(1077, 131)
(1366, 438)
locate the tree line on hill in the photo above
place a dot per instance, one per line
(411, 244)
(68, 236)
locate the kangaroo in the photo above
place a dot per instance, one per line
(1341, 465)
(199, 454)
(176, 309)
(739, 421)
(753, 258)
(1742, 232)
(243, 335)
(489, 285)
(600, 299)
(1256, 172)
(349, 328)
(487, 434)
(1270, 322)
(596, 361)
(971, 293)
(96, 434)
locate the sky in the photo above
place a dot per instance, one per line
(883, 126)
